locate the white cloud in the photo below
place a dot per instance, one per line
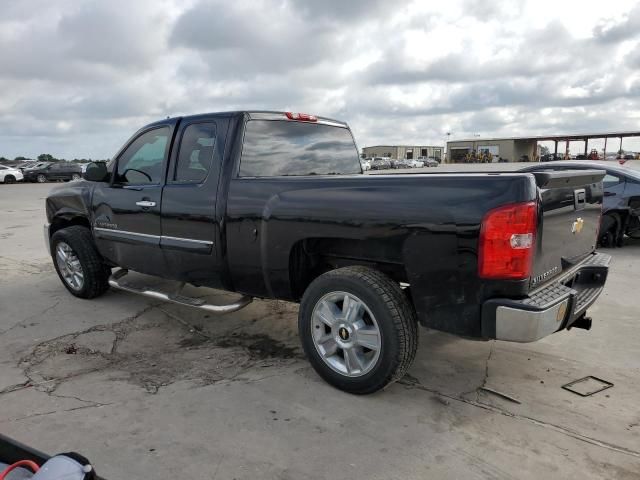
(78, 78)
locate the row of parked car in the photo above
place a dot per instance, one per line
(41, 172)
(386, 163)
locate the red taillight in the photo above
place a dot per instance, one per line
(302, 117)
(507, 242)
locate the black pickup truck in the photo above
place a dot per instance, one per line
(275, 205)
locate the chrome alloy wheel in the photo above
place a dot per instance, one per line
(69, 266)
(346, 334)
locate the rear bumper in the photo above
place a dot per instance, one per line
(554, 307)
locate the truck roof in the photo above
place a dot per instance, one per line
(262, 115)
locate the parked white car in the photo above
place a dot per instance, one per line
(10, 175)
(366, 164)
(413, 163)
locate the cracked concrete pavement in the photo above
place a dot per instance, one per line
(154, 390)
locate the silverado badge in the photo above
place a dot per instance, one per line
(577, 225)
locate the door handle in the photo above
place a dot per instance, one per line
(146, 204)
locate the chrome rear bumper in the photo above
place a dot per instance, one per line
(554, 307)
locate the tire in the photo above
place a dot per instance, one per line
(81, 256)
(633, 228)
(9, 179)
(76, 176)
(383, 308)
(41, 178)
(609, 230)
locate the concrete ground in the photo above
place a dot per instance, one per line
(153, 390)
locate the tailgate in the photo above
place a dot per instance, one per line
(568, 230)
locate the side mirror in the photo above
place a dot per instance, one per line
(96, 172)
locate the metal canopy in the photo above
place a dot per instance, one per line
(559, 138)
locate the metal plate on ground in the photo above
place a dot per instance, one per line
(587, 386)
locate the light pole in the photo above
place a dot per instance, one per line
(446, 147)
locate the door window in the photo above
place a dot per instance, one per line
(141, 163)
(610, 180)
(196, 154)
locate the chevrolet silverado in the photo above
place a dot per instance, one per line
(275, 205)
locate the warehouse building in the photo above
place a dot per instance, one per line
(492, 150)
(527, 149)
(403, 151)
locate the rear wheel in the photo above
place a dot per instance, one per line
(76, 176)
(9, 179)
(41, 178)
(78, 263)
(358, 329)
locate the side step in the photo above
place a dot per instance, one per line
(115, 282)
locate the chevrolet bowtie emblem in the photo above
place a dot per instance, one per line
(577, 225)
(344, 333)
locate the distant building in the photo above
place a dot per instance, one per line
(495, 149)
(527, 149)
(403, 151)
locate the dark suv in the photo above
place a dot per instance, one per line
(53, 171)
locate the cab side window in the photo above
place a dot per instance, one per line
(196, 155)
(141, 163)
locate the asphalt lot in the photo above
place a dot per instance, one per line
(152, 390)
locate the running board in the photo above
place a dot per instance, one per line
(115, 282)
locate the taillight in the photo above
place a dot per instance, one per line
(302, 117)
(507, 242)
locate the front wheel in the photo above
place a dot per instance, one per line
(76, 176)
(41, 178)
(357, 329)
(78, 263)
(9, 179)
(610, 232)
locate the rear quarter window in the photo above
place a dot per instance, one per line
(274, 148)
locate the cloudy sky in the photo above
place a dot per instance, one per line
(78, 77)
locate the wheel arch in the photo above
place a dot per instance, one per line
(311, 257)
(68, 219)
